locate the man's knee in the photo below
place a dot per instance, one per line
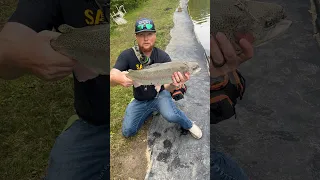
(128, 132)
(223, 167)
(69, 151)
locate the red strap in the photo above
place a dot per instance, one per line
(220, 84)
(220, 98)
(238, 82)
(177, 92)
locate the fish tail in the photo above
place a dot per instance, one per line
(65, 28)
(136, 84)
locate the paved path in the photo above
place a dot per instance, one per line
(174, 155)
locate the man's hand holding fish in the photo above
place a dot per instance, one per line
(178, 80)
(223, 57)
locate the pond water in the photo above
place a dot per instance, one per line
(199, 11)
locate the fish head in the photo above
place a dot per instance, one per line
(193, 67)
(269, 21)
(264, 21)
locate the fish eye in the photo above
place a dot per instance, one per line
(268, 23)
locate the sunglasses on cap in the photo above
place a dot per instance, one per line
(142, 26)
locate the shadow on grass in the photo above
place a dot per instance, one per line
(33, 113)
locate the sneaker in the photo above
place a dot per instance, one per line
(195, 131)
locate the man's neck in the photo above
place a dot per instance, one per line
(147, 53)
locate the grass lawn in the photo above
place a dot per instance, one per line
(122, 37)
(33, 113)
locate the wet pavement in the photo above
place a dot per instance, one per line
(175, 155)
(276, 135)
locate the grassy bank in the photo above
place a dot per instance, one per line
(32, 115)
(128, 4)
(122, 37)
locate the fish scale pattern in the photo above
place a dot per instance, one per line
(89, 45)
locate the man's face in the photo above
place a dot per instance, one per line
(146, 40)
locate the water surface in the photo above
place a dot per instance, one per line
(199, 11)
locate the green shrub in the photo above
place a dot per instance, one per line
(128, 4)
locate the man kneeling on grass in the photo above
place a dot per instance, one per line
(145, 103)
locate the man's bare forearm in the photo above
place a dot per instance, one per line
(113, 82)
(10, 49)
(114, 77)
(7, 70)
(2, 51)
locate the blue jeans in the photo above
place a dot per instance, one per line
(81, 152)
(224, 168)
(137, 113)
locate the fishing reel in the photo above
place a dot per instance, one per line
(179, 92)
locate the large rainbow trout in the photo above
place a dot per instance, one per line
(161, 73)
(88, 45)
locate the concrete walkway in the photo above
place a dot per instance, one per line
(174, 155)
(277, 133)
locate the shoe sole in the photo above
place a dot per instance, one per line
(195, 136)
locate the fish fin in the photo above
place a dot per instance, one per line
(135, 84)
(65, 28)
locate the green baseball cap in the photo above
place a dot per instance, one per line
(144, 25)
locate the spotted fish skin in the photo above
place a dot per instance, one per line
(264, 21)
(88, 45)
(161, 73)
